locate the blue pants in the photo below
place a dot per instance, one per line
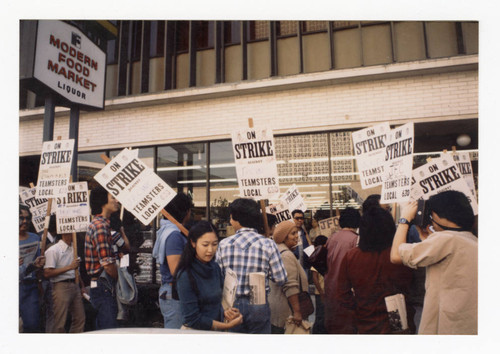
(256, 318)
(103, 299)
(170, 308)
(29, 307)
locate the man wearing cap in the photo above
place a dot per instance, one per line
(60, 268)
(249, 252)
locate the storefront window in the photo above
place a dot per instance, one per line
(223, 185)
(183, 167)
(89, 163)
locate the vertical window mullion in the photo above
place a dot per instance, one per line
(460, 38)
(169, 48)
(244, 49)
(424, 27)
(332, 45)
(361, 43)
(218, 52)
(192, 53)
(301, 46)
(146, 34)
(122, 57)
(273, 48)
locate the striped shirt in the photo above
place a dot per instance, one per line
(248, 252)
(99, 245)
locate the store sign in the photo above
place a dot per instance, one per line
(255, 158)
(55, 168)
(398, 156)
(439, 175)
(369, 148)
(73, 210)
(135, 185)
(38, 207)
(70, 64)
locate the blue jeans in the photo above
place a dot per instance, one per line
(170, 308)
(29, 307)
(103, 299)
(256, 318)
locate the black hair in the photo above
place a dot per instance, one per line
(372, 201)
(98, 199)
(114, 221)
(246, 212)
(189, 253)
(297, 211)
(453, 206)
(376, 230)
(179, 206)
(271, 220)
(320, 240)
(24, 207)
(349, 217)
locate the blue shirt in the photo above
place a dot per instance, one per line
(199, 308)
(170, 242)
(248, 252)
(29, 250)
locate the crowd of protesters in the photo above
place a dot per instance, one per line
(369, 258)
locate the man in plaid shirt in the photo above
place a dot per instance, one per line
(248, 252)
(100, 260)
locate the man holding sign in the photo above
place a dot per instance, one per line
(449, 254)
(100, 260)
(60, 268)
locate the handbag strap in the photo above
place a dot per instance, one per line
(300, 280)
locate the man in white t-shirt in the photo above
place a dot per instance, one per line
(60, 268)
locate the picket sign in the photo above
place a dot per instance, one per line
(163, 212)
(261, 201)
(46, 226)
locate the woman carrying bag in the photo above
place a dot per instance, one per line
(284, 301)
(199, 283)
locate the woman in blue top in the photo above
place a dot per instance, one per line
(200, 283)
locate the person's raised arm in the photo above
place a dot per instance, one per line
(408, 212)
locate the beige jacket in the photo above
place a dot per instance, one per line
(278, 302)
(450, 303)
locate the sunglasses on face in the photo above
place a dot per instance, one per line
(27, 218)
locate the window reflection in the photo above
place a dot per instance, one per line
(183, 167)
(223, 185)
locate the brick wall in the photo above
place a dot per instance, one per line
(442, 96)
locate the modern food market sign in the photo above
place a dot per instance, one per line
(70, 64)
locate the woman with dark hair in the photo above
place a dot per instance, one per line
(367, 276)
(199, 283)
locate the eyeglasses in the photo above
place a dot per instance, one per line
(299, 218)
(27, 218)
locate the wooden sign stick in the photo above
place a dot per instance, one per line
(75, 250)
(262, 201)
(164, 213)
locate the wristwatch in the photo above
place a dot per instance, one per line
(403, 221)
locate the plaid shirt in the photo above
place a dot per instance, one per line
(248, 252)
(99, 245)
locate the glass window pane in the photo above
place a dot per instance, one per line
(183, 167)
(145, 154)
(89, 163)
(223, 185)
